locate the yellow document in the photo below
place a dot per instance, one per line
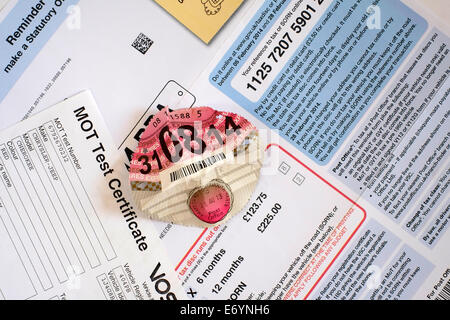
(202, 17)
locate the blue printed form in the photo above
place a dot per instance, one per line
(311, 68)
(24, 32)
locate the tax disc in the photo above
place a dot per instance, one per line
(195, 167)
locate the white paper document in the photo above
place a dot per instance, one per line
(68, 228)
(350, 98)
(124, 52)
(127, 66)
(353, 202)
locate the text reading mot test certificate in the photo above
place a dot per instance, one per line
(67, 227)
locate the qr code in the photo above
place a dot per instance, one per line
(142, 43)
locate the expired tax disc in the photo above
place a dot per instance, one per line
(195, 167)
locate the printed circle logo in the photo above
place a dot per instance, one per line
(212, 6)
(212, 203)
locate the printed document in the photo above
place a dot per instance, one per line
(68, 227)
(353, 202)
(350, 97)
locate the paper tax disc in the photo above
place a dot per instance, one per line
(195, 167)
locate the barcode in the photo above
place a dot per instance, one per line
(142, 43)
(196, 167)
(445, 292)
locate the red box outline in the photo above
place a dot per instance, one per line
(326, 182)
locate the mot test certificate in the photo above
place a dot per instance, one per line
(352, 201)
(68, 229)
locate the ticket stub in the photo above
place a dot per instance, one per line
(195, 166)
